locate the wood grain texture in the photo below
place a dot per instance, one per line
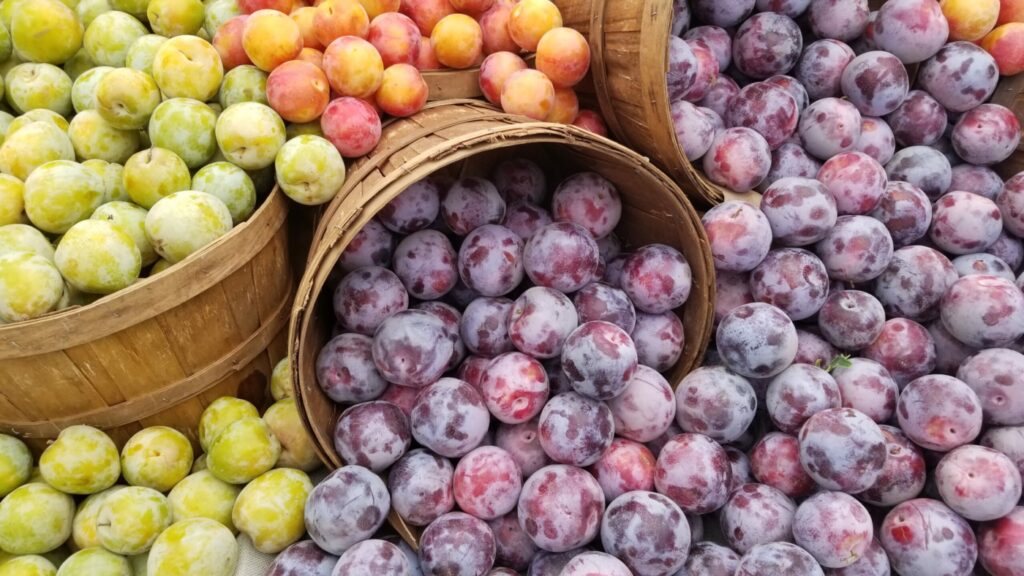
(159, 351)
(470, 137)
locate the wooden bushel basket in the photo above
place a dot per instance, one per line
(628, 66)
(468, 138)
(160, 350)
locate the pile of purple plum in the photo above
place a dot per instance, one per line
(873, 303)
(499, 356)
(767, 89)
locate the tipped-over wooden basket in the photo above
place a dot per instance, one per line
(628, 66)
(159, 351)
(469, 138)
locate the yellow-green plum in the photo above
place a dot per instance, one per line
(30, 86)
(157, 457)
(98, 257)
(203, 495)
(6, 46)
(126, 98)
(83, 90)
(154, 174)
(82, 460)
(7, 11)
(15, 463)
(157, 268)
(79, 64)
(270, 509)
(281, 380)
(83, 527)
(95, 562)
(229, 183)
(6, 119)
(88, 10)
(184, 222)
(94, 138)
(188, 67)
(32, 146)
(175, 17)
(245, 83)
(220, 414)
(38, 115)
(200, 463)
(12, 199)
(136, 8)
(45, 31)
(218, 12)
(243, 451)
(132, 219)
(60, 194)
(250, 135)
(130, 519)
(110, 35)
(30, 286)
(141, 54)
(310, 170)
(294, 130)
(30, 565)
(24, 238)
(296, 448)
(185, 127)
(35, 519)
(192, 547)
(113, 181)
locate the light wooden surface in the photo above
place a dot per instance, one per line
(470, 137)
(159, 351)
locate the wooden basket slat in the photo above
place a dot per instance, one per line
(469, 139)
(160, 350)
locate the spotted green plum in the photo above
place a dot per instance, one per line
(217, 13)
(126, 98)
(220, 414)
(243, 451)
(185, 127)
(175, 17)
(110, 35)
(184, 222)
(82, 460)
(84, 526)
(250, 135)
(296, 448)
(281, 380)
(203, 495)
(88, 10)
(79, 64)
(194, 546)
(32, 146)
(156, 457)
(15, 464)
(61, 193)
(188, 67)
(229, 183)
(95, 562)
(31, 86)
(98, 257)
(83, 91)
(130, 520)
(143, 51)
(28, 565)
(310, 170)
(308, 128)
(113, 179)
(38, 115)
(152, 175)
(136, 8)
(45, 31)
(132, 219)
(35, 519)
(270, 509)
(12, 199)
(30, 286)
(245, 83)
(95, 139)
(24, 238)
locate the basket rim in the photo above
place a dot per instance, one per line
(143, 300)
